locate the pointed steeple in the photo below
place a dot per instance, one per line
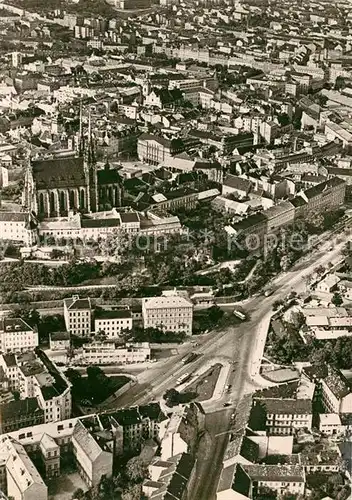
(90, 146)
(81, 134)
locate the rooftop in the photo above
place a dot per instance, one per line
(172, 302)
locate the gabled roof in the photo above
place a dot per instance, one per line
(59, 172)
(237, 183)
(86, 442)
(76, 303)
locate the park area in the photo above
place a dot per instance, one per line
(94, 388)
(204, 385)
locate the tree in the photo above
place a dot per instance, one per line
(171, 397)
(336, 299)
(278, 303)
(73, 375)
(78, 494)
(133, 493)
(136, 470)
(94, 372)
(298, 319)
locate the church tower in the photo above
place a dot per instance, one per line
(90, 167)
(29, 200)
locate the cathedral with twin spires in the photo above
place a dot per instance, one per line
(55, 186)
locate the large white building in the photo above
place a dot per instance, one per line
(18, 226)
(109, 353)
(112, 322)
(78, 316)
(23, 481)
(17, 336)
(170, 313)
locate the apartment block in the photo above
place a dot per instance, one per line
(286, 416)
(17, 336)
(17, 414)
(171, 313)
(35, 376)
(78, 316)
(112, 322)
(23, 481)
(91, 442)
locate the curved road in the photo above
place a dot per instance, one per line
(243, 344)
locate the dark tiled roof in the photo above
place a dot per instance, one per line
(21, 408)
(10, 359)
(250, 221)
(298, 201)
(150, 137)
(287, 406)
(339, 171)
(249, 449)
(77, 303)
(237, 183)
(14, 324)
(59, 172)
(13, 217)
(320, 188)
(60, 336)
(129, 217)
(338, 384)
(85, 222)
(288, 390)
(109, 176)
(316, 371)
(241, 481)
(284, 473)
(107, 314)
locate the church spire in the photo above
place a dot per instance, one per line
(28, 188)
(90, 146)
(81, 134)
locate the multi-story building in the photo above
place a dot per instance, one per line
(328, 195)
(18, 226)
(112, 322)
(8, 364)
(154, 150)
(336, 393)
(240, 482)
(109, 353)
(171, 313)
(249, 233)
(17, 336)
(35, 376)
(78, 316)
(17, 414)
(279, 216)
(285, 416)
(22, 479)
(90, 442)
(92, 460)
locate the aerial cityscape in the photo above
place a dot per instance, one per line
(175, 256)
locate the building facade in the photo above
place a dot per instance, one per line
(112, 322)
(17, 336)
(172, 313)
(78, 316)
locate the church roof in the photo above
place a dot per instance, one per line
(59, 173)
(109, 176)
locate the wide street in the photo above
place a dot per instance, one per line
(241, 343)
